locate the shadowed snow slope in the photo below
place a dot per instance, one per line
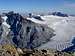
(4, 21)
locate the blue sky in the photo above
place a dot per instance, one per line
(66, 6)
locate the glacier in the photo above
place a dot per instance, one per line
(64, 29)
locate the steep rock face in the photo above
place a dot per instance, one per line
(36, 34)
(27, 34)
(1, 28)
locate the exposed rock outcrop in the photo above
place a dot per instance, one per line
(8, 50)
(1, 28)
(38, 18)
(59, 14)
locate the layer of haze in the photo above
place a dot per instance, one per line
(66, 6)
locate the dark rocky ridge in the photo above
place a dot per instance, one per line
(25, 33)
(38, 18)
(59, 14)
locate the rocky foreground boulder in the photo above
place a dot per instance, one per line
(25, 33)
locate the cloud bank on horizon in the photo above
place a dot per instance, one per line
(67, 6)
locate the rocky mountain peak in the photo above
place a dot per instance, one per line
(25, 33)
